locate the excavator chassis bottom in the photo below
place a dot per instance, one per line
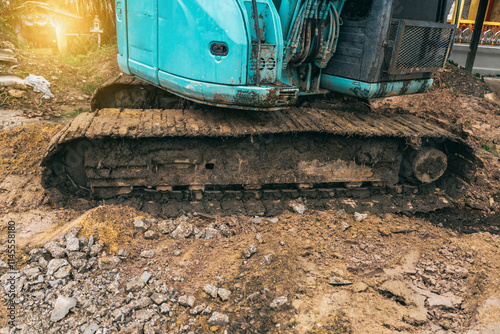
(332, 155)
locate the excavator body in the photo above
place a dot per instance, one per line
(227, 107)
(263, 54)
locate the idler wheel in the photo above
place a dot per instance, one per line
(429, 164)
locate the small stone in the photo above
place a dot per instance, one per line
(225, 230)
(273, 220)
(267, 259)
(3, 265)
(91, 328)
(141, 224)
(218, 319)
(165, 308)
(63, 272)
(75, 230)
(211, 290)
(123, 254)
(62, 307)
(145, 277)
(148, 254)
(109, 262)
(166, 226)
(151, 235)
(360, 216)
(197, 309)
(91, 241)
(282, 243)
(55, 264)
(224, 294)
(209, 233)
(177, 252)
(249, 251)
(184, 230)
(140, 303)
(186, 300)
(31, 272)
(207, 310)
(144, 315)
(134, 285)
(279, 301)
(56, 251)
(72, 244)
(158, 298)
(298, 207)
(344, 225)
(335, 280)
(95, 250)
(257, 220)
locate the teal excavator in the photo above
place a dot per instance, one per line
(248, 105)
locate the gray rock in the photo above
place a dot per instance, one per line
(158, 298)
(177, 253)
(145, 277)
(166, 226)
(72, 244)
(257, 220)
(151, 235)
(225, 230)
(55, 250)
(91, 241)
(75, 230)
(344, 225)
(141, 224)
(95, 250)
(165, 308)
(122, 254)
(197, 309)
(446, 300)
(109, 262)
(62, 307)
(249, 251)
(91, 328)
(134, 285)
(360, 216)
(3, 265)
(30, 272)
(148, 254)
(63, 272)
(140, 303)
(207, 310)
(186, 300)
(144, 315)
(279, 301)
(273, 220)
(209, 233)
(335, 280)
(55, 264)
(224, 294)
(121, 313)
(184, 230)
(267, 259)
(298, 207)
(211, 290)
(218, 319)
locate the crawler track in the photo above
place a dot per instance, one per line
(331, 154)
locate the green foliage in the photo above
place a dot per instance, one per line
(467, 125)
(489, 148)
(9, 14)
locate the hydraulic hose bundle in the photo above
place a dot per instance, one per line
(313, 35)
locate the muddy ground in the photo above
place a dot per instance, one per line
(435, 272)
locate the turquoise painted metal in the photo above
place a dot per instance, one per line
(216, 52)
(366, 90)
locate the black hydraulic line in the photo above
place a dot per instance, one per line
(259, 46)
(476, 35)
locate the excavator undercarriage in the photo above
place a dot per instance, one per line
(330, 152)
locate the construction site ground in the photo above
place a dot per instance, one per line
(298, 272)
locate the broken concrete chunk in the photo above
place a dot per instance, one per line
(279, 301)
(186, 300)
(218, 319)
(249, 251)
(360, 216)
(62, 307)
(335, 280)
(224, 294)
(151, 235)
(141, 224)
(211, 290)
(182, 231)
(298, 207)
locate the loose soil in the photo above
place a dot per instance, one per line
(452, 251)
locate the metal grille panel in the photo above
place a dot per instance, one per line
(419, 46)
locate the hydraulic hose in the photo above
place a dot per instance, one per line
(259, 46)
